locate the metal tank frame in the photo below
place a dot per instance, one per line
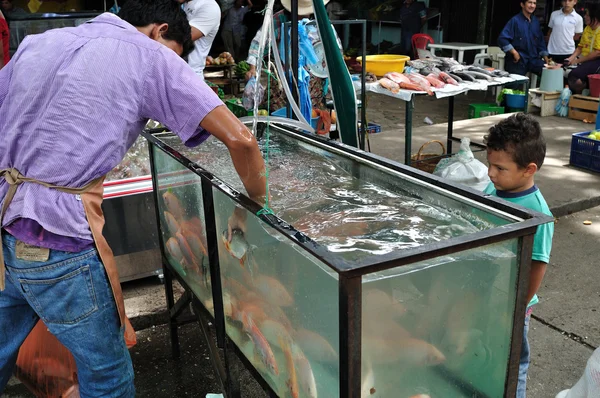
(350, 274)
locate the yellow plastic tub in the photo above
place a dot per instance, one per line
(382, 64)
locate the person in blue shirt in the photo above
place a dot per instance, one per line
(523, 42)
(515, 152)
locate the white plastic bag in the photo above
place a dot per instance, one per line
(463, 168)
(589, 384)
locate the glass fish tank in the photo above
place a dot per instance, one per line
(363, 278)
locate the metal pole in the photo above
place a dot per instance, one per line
(294, 36)
(168, 279)
(363, 92)
(450, 123)
(350, 317)
(410, 106)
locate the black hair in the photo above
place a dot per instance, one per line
(142, 13)
(521, 136)
(594, 11)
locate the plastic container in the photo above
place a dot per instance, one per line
(585, 152)
(552, 80)
(237, 108)
(482, 110)
(382, 64)
(283, 113)
(515, 101)
(372, 128)
(594, 81)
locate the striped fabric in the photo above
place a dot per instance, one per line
(73, 100)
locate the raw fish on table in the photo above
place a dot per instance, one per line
(421, 81)
(390, 85)
(435, 82)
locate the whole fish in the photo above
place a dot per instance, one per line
(421, 82)
(446, 78)
(292, 381)
(261, 345)
(190, 260)
(390, 85)
(174, 249)
(306, 377)
(195, 243)
(412, 351)
(464, 75)
(397, 77)
(479, 70)
(172, 224)
(273, 312)
(236, 289)
(435, 82)
(275, 333)
(273, 291)
(479, 75)
(376, 301)
(315, 346)
(455, 77)
(173, 204)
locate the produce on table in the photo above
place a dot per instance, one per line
(224, 58)
(242, 68)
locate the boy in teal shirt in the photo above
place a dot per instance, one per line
(515, 152)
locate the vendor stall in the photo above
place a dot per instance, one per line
(448, 91)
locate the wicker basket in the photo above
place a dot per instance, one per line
(427, 161)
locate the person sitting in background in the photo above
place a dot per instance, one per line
(523, 42)
(233, 27)
(587, 54)
(4, 40)
(566, 26)
(204, 17)
(9, 9)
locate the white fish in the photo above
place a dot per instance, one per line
(304, 372)
(273, 291)
(315, 346)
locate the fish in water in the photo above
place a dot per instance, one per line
(306, 377)
(273, 291)
(174, 249)
(191, 261)
(275, 333)
(195, 225)
(292, 381)
(173, 205)
(238, 246)
(195, 243)
(172, 224)
(261, 345)
(408, 350)
(376, 301)
(315, 346)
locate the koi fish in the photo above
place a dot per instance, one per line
(306, 377)
(238, 247)
(261, 345)
(190, 260)
(172, 224)
(173, 205)
(174, 249)
(195, 243)
(273, 291)
(275, 333)
(390, 85)
(196, 226)
(292, 381)
(315, 346)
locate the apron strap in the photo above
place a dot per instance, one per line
(14, 178)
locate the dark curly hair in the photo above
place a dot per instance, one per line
(521, 136)
(141, 13)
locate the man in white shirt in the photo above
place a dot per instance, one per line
(204, 17)
(566, 26)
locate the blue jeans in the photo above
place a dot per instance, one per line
(72, 295)
(524, 362)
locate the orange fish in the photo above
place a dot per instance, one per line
(275, 333)
(195, 243)
(315, 346)
(173, 204)
(261, 345)
(174, 249)
(273, 291)
(195, 225)
(190, 260)
(172, 224)
(292, 381)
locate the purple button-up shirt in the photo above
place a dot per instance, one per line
(72, 102)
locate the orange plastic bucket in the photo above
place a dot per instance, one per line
(594, 82)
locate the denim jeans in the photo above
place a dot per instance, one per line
(71, 293)
(524, 363)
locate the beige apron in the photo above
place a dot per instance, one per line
(91, 197)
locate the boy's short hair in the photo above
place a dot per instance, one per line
(521, 136)
(142, 13)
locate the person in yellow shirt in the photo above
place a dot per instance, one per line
(587, 54)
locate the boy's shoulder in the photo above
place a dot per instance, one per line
(532, 198)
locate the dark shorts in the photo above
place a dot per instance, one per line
(585, 69)
(559, 58)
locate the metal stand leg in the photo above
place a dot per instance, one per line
(450, 124)
(410, 106)
(233, 385)
(526, 96)
(170, 305)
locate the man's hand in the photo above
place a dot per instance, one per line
(251, 72)
(516, 55)
(571, 60)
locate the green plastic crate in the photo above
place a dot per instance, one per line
(236, 107)
(481, 110)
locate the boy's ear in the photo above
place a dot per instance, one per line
(531, 169)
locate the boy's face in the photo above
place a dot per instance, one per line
(568, 5)
(506, 174)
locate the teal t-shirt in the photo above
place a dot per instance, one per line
(542, 240)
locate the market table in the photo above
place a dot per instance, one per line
(458, 47)
(448, 91)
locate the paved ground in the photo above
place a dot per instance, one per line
(565, 328)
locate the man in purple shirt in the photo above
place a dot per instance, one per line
(72, 101)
